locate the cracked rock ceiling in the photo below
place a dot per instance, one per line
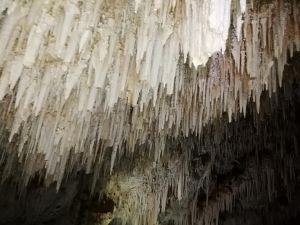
(139, 94)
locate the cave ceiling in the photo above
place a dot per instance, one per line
(173, 111)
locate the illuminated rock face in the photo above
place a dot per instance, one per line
(83, 80)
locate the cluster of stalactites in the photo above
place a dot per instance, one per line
(182, 188)
(86, 75)
(83, 76)
(144, 194)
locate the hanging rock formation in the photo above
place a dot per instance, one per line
(169, 111)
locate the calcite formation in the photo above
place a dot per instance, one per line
(81, 79)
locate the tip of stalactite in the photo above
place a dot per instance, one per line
(99, 75)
